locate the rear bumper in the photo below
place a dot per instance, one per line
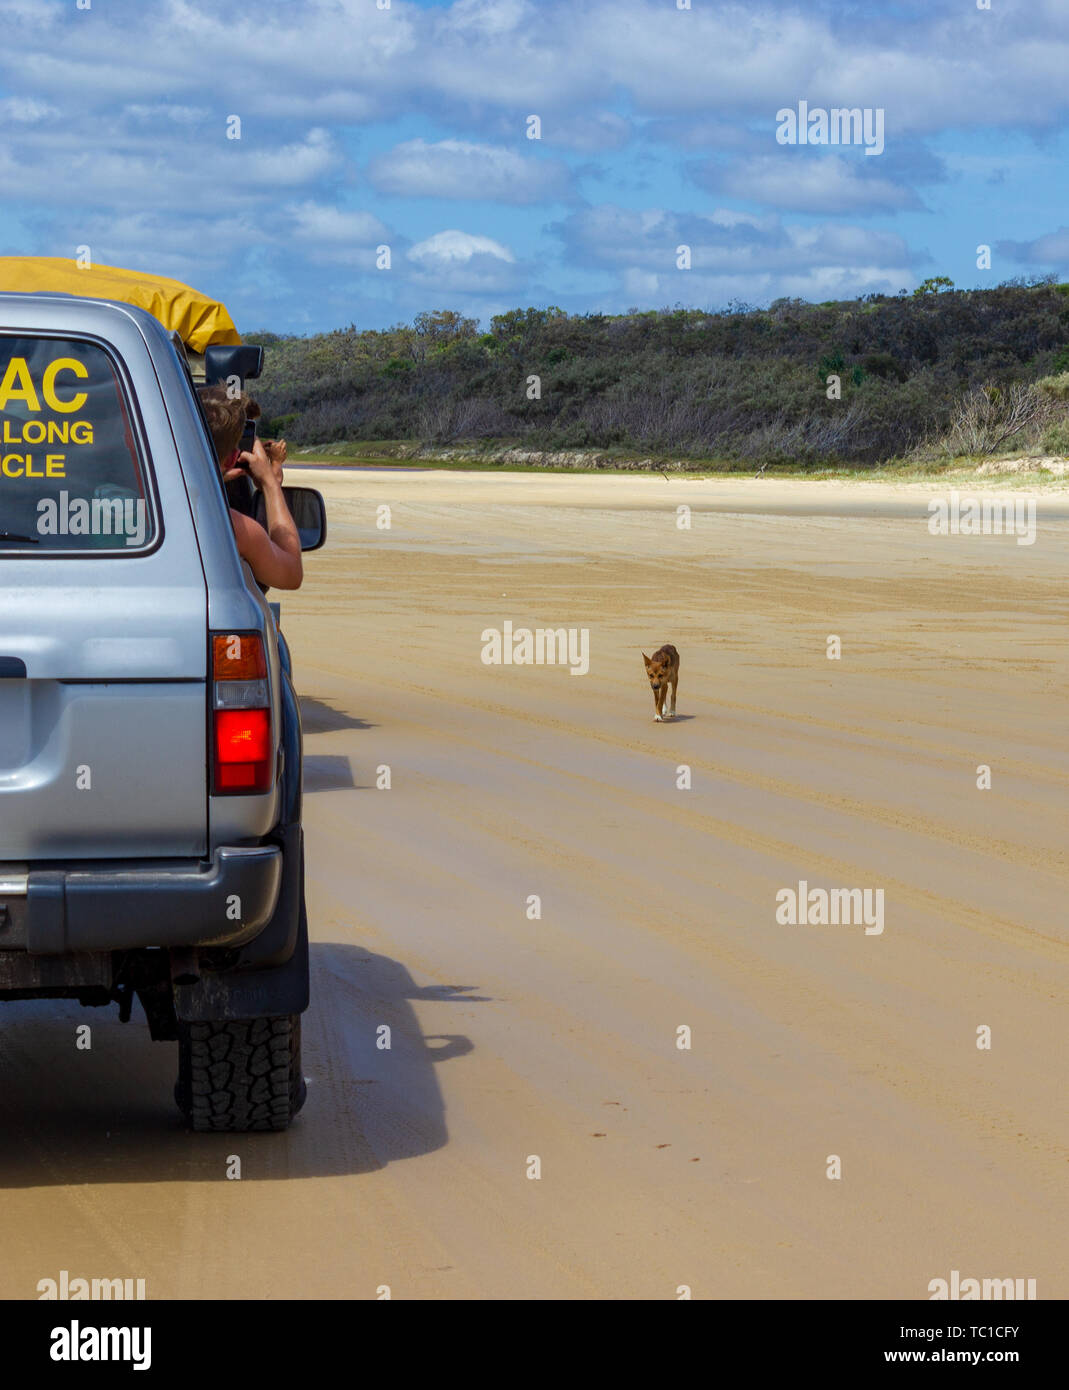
(225, 902)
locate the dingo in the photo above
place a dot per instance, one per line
(663, 670)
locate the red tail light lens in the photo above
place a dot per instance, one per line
(241, 716)
(243, 750)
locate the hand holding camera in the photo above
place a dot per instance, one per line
(260, 465)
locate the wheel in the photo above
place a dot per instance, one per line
(244, 1074)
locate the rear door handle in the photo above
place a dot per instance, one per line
(12, 668)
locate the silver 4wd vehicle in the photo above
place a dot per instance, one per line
(150, 738)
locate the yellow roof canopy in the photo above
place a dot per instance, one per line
(197, 319)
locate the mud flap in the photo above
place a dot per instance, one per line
(217, 996)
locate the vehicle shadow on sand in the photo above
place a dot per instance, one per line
(321, 717)
(325, 772)
(70, 1115)
(328, 771)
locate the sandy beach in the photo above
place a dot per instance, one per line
(551, 1030)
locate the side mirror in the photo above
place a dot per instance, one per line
(222, 361)
(308, 510)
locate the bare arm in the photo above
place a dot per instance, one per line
(270, 559)
(274, 554)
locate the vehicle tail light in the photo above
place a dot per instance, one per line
(242, 739)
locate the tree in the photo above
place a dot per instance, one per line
(990, 416)
(933, 285)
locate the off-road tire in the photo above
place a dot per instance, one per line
(240, 1075)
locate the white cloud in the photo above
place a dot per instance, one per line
(642, 286)
(296, 163)
(758, 287)
(99, 80)
(824, 184)
(733, 256)
(152, 173)
(1049, 250)
(591, 133)
(460, 261)
(119, 114)
(461, 169)
(26, 110)
(180, 115)
(488, 17)
(186, 248)
(328, 60)
(34, 11)
(320, 222)
(324, 235)
(705, 133)
(450, 247)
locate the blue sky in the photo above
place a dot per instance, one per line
(406, 126)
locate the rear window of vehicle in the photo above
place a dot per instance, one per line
(71, 473)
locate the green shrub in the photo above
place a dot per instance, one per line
(680, 380)
(831, 364)
(883, 365)
(1056, 386)
(276, 426)
(1056, 439)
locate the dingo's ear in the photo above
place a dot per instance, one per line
(645, 658)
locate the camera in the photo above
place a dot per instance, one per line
(248, 437)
